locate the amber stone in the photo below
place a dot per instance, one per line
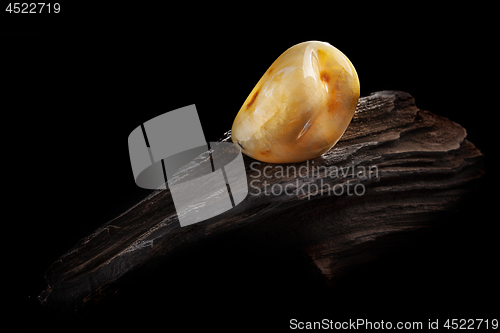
(300, 107)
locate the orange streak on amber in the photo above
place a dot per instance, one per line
(253, 99)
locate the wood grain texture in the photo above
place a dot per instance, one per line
(411, 165)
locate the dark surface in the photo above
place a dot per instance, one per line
(424, 167)
(80, 87)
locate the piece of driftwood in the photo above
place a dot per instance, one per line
(393, 170)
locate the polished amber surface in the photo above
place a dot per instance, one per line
(300, 107)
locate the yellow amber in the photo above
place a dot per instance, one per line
(300, 107)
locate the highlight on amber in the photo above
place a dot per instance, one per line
(300, 107)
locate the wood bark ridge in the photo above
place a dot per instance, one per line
(394, 169)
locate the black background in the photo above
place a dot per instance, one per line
(76, 84)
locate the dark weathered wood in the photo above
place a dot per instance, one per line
(416, 166)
